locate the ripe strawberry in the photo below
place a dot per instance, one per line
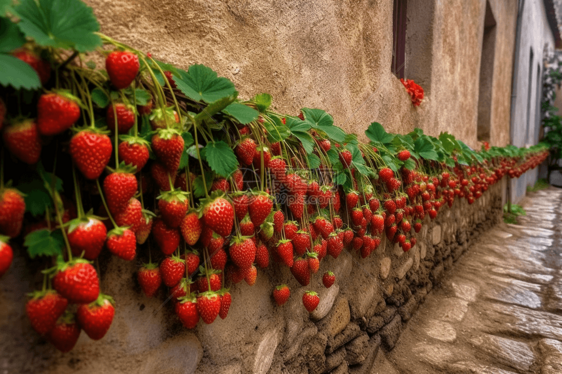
(173, 207)
(278, 167)
(405, 225)
(191, 227)
(406, 246)
(281, 294)
(162, 118)
(328, 279)
(184, 288)
(218, 214)
(325, 144)
(187, 310)
(22, 140)
(260, 207)
(211, 277)
(44, 309)
(77, 281)
(301, 272)
(90, 150)
(122, 243)
(119, 187)
(390, 206)
(167, 145)
(247, 228)
(337, 222)
(96, 318)
(208, 305)
(41, 67)
(168, 239)
(144, 226)
(65, 333)
(192, 261)
(313, 263)
(131, 216)
(345, 158)
(172, 270)
(278, 220)
(377, 223)
(310, 300)
(134, 151)
(226, 300)
(122, 68)
(245, 151)
(120, 115)
(160, 176)
(335, 245)
(313, 232)
(301, 242)
(356, 216)
(238, 179)
(149, 278)
(6, 255)
(242, 251)
(285, 251)
(220, 184)
(241, 202)
(56, 112)
(323, 226)
(12, 210)
(347, 236)
(291, 229)
(218, 260)
(351, 199)
(251, 275)
(417, 226)
(170, 78)
(433, 213)
(296, 204)
(87, 236)
(262, 256)
(181, 180)
(145, 110)
(404, 155)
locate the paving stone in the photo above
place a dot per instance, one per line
(388, 314)
(436, 234)
(435, 355)
(367, 365)
(408, 309)
(266, 349)
(465, 290)
(327, 299)
(437, 272)
(403, 269)
(441, 331)
(335, 359)
(349, 333)
(342, 369)
(452, 309)
(512, 353)
(469, 367)
(375, 324)
(385, 267)
(391, 332)
(357, 349)
(314, 355)
(551, 356)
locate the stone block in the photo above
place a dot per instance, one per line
(337, 320)
(358, 349)
(294, 346)
(448, 263)
(313, 353)
(327, 299)
(375, 324)
(391, 332)
(349, 333)
(403, 269)
(266, 349)
(367, 366)
(388, 314)
(335, 359)
(423, 250)
(436, 273)
(408, 309)
(342, 369)
(385, 267)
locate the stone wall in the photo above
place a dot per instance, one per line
(364, 310)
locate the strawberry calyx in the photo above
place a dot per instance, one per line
(4, 239)
(100, 301)
(312, 254)
(158, 114)
(311, 293)
(167, 134)
(175, 195)
(147, 215)
(281, 287)
(329, 273)
(223, 291)
(123, 168)
(95, 130)
(134, 140)
(117, 231)
(39, 294)
(67, 95)
(150, 266)
(62, 266)
(283, 241)
(208, 272)
(76, 222)
(188, 298)
(68, 318)
(239, 239)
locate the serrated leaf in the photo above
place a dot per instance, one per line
(333, 156)
(214, 107)
(295, 124)
(425, 148)
(277, 132)
(306, 140)
(220, 157)
(199, 187)
(410, 164)
(192, 151)
(340, 178)
(351, 138)
(262, 101)
(449, 142)
(202, 83)
(67, 24)
(450, 162)
(377, 133)
(364, 170)
(357, 158)
(5, 7)
(99, 97)
(390, 162)
(142, 96)
(10, 36)
(321, 120)
(242, 113)
(36, 198)
(44, 243)
(313, 161)
(17, 73)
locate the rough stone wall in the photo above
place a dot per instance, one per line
(364, 310)
(333, 55)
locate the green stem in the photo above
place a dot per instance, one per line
(105, 204)
(77, 194)
(116, 135)
(199, 158)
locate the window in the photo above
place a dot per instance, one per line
(399, 38)
(486, 76)
(529, 96)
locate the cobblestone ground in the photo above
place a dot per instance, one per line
(500, 308)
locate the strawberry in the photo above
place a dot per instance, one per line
(131, 216)
(281, 294)
(337, 222)
(266, 231)
(226, 300)
(323, 226)
(184, 288)
(347, 236)
(149, 278)
(122, 243)
(44, 309)
(172, 270)
(278, 219)
(285, 251)
(173, 207)
(238, 179)
(96, 318)
(220, 184)
(300, 271)
(313, 263)
(191, 227)
(390, 206)
(390, 219)
(65, 334)
(328, 279)
(404, 155)
(385, 174)
(405, 225)
(247, 227)
(211, 277)
(296, 205)
(187, 310)
(377, 223)
(336, 201)
(12, 210)
(278, 167)
(393, 184)
(192, 261)
(167, 145)
(56, 112)
(351, 199)
(433, 213)
(251, 276)
(161, 118)
(122, 68)
(357, 243)
(120, 116)
(242, 251)
(417, 226)
(181, 180)
(260, 207)
(218, 214)
(41, 67)
(357, 216)
(325, 144)
(245, 151)
(262, 256)
(325, 195)
(301, 242)
(208, 305)
(406, 246)
(345, 158)
(119, 187)
(144, 226)
(335, 245)
(77, 281)
(310, 300)
(6, 255)
(218, 260)
(134, 151)
(22, 140)
(170, 78)
(257, 158)
(161, 176)
(86, 237)
(291, 229)
(145, 110)
(168, 239)
(90, 150)
(241, 203)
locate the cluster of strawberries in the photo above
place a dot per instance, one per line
(414, 90)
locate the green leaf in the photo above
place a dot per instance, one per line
(10, 36)
(44, 243)
(356, 154)
(17, 73)
(410, 164)
(313, 161)
(425, 148)
(67, 24)
(333, 156)
(277, 132)
(306, 140)
(99, 97)
(5, 7)
(142, 96)
(351, 138)
(199, 187)
(215, 107)
(262, 101)
(391, 162)
(188, 141)
(377, 133)
(192, 151)
(364, 170)
(220, 157)
(449, 142)
(295, 124)
(201, 83)
(319, 119)
(36, 198)
(242, 113)
(340, 178)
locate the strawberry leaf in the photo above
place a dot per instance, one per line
(67, 24)
(220, 157)
(215, 107)
(411, 165)
(313, 161)
(37, 198)
(10, 36)
(17, 73)
(142, 96)
(377, 133)
(306, 140)
(99, 97)
(262, 101)
(201, 83)
(242, 113)
(44, 243)
(319, 119)
(425, 148)
(5, 6)
(199, 187)
(277, 132)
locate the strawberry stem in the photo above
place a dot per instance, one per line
(77, 194)
(116, 135)
(170, 181)
(199, 158)
(105, 204)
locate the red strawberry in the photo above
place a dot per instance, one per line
(405, 225)
(347, 236)
(241, 202)
(131, 216)
(65, 334)
(285, 251)
(313, 263)
(12, 210)
(390, 219)
(245, 151)
(172, 270)
(216, 243)
(417, 226)
(260, 207)
(208, 305)
(337, 222)
(325, 195)
(77, 281)
(149, 278)
(145, 110)
(144, 226)
(278, 219)
(184, 288)
(345, 158)
(406, 246)
(242, 251)
(41, 67)
(404, 155)
(301, 242)
(211, 277)
(301, 272)
(377, 223)
(257, 158)
(87, 236)
(168, 239)
(310, 300)
(351, 199)
(247, 228)
(226, 300)
(291, 229)
(335, 245)
(170, 78)
(325, 144)
(134, 151)
(22, 140)
(167, 145)
(262, 256)
(393, 184)
(181, 181)
(385, 174)
(90, 150)
(357, 243)
(238, 179)
(296, 204)
(187, 310)
(191, 228)
(96, 318)
(119, 187)
(122, 243)
(433, 213)
(6, 255)
(122, 68)
(160, 176)
(218, 214)
(251, 276)
(192, 261)
(44, 309)
(56, 112)
(278, 167)
(220, 184)
(357, 216)
(281, 294)
(328, 279)
(120, 115)
(218, 260)
(323, 226)
(390, 206)
(173, 207)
